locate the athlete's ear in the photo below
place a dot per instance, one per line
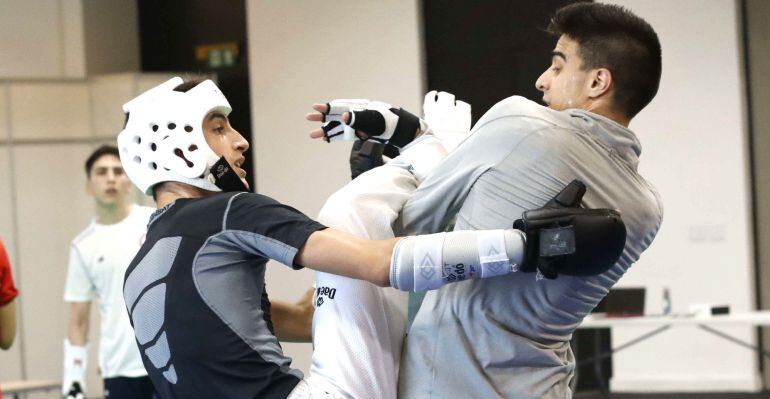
(600, 81)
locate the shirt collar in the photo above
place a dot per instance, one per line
(618, 137)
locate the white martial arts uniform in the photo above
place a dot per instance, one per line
(508, 337)
(358, 328)
(99, 257)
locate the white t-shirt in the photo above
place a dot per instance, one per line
(99, 257)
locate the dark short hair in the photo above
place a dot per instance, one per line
(98, 153)
(186, 86)
(612, 37)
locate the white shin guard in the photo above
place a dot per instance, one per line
(428, 262)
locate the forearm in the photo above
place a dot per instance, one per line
(336, 252)
(293, 322)
(7, 324)
(431, 261)
(77, 329)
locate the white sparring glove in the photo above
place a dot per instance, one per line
(334, 128)
(448, 122)
(448, 119)
(380, 121)
(75, 361)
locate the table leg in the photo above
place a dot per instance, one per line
(735, 340)
(603, 389)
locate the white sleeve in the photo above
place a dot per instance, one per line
(79, 286)
(368, 205)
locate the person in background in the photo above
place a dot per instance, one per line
(99, 256)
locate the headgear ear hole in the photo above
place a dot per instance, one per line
(137, 139)
(192, 148)
(137, 159)
(180, 154)
(153, 166)
(188, 128)
(154, 127)
(153, 147)
(171, 126)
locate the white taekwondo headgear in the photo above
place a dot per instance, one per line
(163, 138)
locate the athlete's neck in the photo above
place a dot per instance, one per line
(607, 110)
(168, 192)
(112, 213)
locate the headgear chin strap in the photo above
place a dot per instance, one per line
(224, 177)
(163, 138)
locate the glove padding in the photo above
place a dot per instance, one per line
(563, 238)
(379, 121)
(446, 115)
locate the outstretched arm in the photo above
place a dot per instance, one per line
(337, 252)
(560, 238)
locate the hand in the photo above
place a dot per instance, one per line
(363, 119)
(336, 111)
(563, 238)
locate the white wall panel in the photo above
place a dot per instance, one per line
(108, 94)
(30, 33)
(72, 39)
(297, 56)
(111, 36)
(52, 209)
(50, 110)
(694, 151)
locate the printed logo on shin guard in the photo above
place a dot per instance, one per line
(322, 292)
(458, 272)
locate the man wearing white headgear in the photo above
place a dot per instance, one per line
(195, 290)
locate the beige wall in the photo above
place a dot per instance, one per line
(695, 151)
(67, 38)
(301, 54)
(41, 39)
(110, 36)
(47, 129)
(51, 116)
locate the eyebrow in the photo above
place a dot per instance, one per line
(215, 115)
(555, 54)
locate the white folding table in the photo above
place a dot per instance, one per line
(664, 322)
